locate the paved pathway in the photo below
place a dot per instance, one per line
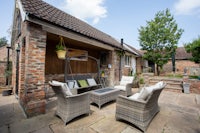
(179, 113)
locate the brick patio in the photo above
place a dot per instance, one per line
(179, 112)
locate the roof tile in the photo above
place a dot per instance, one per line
(44, 11)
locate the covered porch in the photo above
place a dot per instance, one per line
(97, 59)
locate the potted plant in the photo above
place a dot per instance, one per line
(102, 73)
(61, 49)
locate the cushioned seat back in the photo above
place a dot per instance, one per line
(78, 76)
(126, 80)
(153, 97)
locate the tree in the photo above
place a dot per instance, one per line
(194, 48)
(3, 41)
(159, 38)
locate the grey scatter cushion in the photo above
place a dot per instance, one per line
(143, 94)
(72, 84)
(91, 82)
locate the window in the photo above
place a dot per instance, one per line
(127, 60)
(19, 20)
(104, 58)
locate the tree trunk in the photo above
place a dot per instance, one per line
(158, 70)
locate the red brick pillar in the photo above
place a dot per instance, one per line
(32, 71)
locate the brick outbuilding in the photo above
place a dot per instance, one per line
(37, 28)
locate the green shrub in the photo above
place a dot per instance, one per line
(141, 80)
(193, 77)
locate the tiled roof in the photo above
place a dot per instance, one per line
(181, 54)
(49, 13)
(133, 50)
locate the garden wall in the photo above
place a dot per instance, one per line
(194, 86)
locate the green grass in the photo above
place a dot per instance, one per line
(175, 75)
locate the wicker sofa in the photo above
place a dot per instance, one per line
(70, 107)
(125, 85)
(138, 111)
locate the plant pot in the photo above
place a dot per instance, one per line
(6, 92)
(61, 54)
(186, 88)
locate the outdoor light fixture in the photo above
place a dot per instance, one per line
(109, 66)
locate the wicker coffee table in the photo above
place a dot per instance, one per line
(104, 95)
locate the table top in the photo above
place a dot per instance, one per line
(104, 90)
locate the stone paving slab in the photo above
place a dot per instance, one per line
(131, 130)
(197, 98)
(178, 113)
(33, 124)
(109, 125)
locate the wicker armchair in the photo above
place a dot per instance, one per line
(125, 85)
(138, 112)
(70, 107)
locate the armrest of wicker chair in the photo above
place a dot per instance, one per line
(129, 103)
(129, 89)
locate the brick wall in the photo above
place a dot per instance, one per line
(2, 71)
(3, 51)
(115, 62)
(139, 64)
(3, 63)
(34, 71)
(194, 86)
(31, 69)
(180, 66)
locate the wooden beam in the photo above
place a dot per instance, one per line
(69, 34)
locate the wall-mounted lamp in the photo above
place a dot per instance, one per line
(17, 46)
(109, 66)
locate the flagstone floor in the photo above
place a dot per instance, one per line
(179, 113)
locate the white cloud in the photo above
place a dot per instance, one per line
(187, 7)
(86, 9)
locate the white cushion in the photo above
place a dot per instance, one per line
(143, 94)
(159, 84)
(135, 96)
(146, 91)
(126, 80)
(72, 84)
(91, 82)
(150, 89)
(66, 90)
(57, 83)
(120, 87)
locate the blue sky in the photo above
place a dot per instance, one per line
(121, 18)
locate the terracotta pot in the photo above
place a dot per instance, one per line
(61, 54)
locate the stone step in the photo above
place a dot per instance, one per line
(174, 85)
(174, 88)
(168, 82)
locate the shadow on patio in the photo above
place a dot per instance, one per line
(178, 113)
